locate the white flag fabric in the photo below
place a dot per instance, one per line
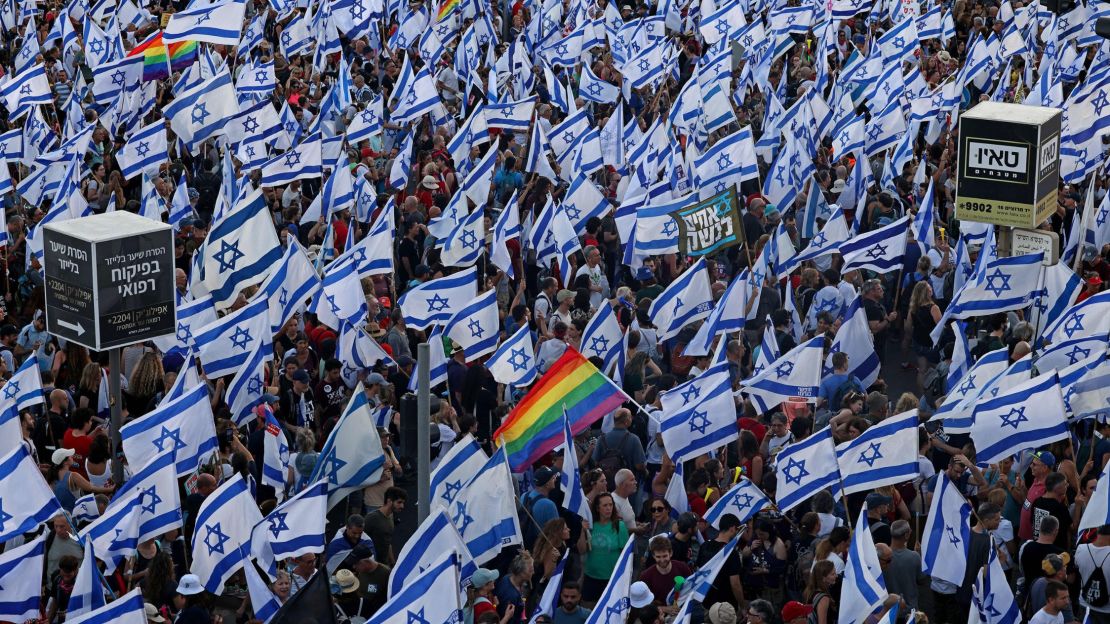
(289, 285)
(340, 299)
(146, 149)
(127, 609)
(224, 345)
(300, 162)
(805, 468)
(432, 596)
(613, 606)
(240, 250)
(26, 501)
(160, 510)
(1089, 397)
(685, 300)
(436, 301)
(947, 533)
(115, 534)
(223, 532)
(87, 593)
(435, 536)
(476, 326)
(454, 470)
(219, 23)
(864, 589)
(879, 250)
(885, 454)
(293, 528)
(275, 455)
(1086, 318)
(574, 497)
(794, 374)
(855, 338)
(191, 316)
(602, 337)
(202, 111)
(484, 515)
(992, 600)
(514, 362)
(352, 456)
(1009, 422)
(184, 424)
(21, 569)
(699, 415)
(742, 500)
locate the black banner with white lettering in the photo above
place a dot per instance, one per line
(710, 225)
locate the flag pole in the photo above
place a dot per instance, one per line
(423, 431)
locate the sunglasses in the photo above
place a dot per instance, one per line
(659, 509)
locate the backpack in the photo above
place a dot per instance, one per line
(935, 380)
(1094, 588)
(611, 461)
(849, 385)
(530, 529)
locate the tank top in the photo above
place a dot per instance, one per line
(99, 480)
(63, 493)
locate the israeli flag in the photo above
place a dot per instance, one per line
(201, 111)
(484, 514)
(603, 337)
(699, 415)
(146, 149)
(1008, 283)
(475, 327)
(506, 228)
(352, 456)
(698, 584)
(436, 301)
(156, 481)
(514, 362)
(258, 122)
(435, 536)
(245, 391)
(87, 593)
(613, 606)
(340, 299)
(367, 123)
(744, 500)
(1089, 317)
(1070, 352)
(992, 599)
(982, 373)
(26, 501)
(263, 601)
(947, 533)
(729, 162)
(293, 528)
(275, 455)
(594, 89)
(115, 535)
(300, 162)
(879, 250)
(855, 338)
(1008, 423)
(127, 609)
(21, 569)
(1089, 396)
(685, 300)
(864, 588)
(224, 345)
(438, 360)
(432, 596)
(1060, 287)
(510, 115)
(373, 255)
(288, 286)
(454, 470)
(223, 531)
(220, 23)
(727, 315)
(84, 510)
(420, 98)
(806, 467)
(240, 250)
(466, 242)
(574, 497)
(358, 353)
(184, 424)
(883, 455)
(827, 241)
(961, 357)
(26, 89)
(24, 389)
(794, 374)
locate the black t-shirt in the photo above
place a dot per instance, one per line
(753, 229)
(1044, 507)
(876, 312)
(407, 248)
(333, 397)
(1032, 554)
(880, 530)
(721, 591)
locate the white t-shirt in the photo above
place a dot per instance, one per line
(624, 508)
(1003, 534)
(1042, 617)
(1086, 558)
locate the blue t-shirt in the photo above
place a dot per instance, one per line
(831, 383)
(543, 509)
(507, 595)
(577, 617)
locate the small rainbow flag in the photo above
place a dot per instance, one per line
(535, 426)
(446, 8)
(158, 61)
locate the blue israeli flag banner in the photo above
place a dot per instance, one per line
(454, 470)
(685, 300)
(947, 533)
(885, 454)
(514, 362)
(699, 415)
(352, 456)
(806, 467)
(21, 569)
(744, 500)
(1008, 423)
(434, 302)
(223, 532)
(160, 509)
(184, 424)
(476, 326)
(26, 501)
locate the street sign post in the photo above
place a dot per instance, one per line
(109, 280)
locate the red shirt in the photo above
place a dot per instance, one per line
(80, 444)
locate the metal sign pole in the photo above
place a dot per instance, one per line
(115, 401)
(423, 431)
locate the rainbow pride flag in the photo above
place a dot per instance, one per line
(446, 8)
(535, 426)
(159, 59)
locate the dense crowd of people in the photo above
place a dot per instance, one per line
(786, 567)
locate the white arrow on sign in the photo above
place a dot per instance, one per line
(79, 328)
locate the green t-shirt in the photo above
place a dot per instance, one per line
(605, 548)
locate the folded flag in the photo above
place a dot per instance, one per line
(115, 535)
(864, 588)
(87, 593)
(432, 596)
(613, 606)
(293, 528)
(574, 498)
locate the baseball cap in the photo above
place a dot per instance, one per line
(1046, 458)
(483, 576)
(876, 499)
(721, 613)
(151, 613)
(61, 455)
(794, 610)
(543, 475)
(375, 378)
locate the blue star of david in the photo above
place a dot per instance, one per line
(283, 298)
(1101, 218)
(798, 466)
(203, 17)
(783, 370)
(819, 240)
(1063, 24)
(748, 39)
(899, 42)
(169, 434)
(142, 149)
(291, 127)
(151, 496)
(599, 345)
(469, 239)
(952, 535)
(1100, 102)
(780, 171)
(118, 78)
(791, 19)
(722, 27)
(519, 359)
(1068, 396)
(614, 612)
(670, 228)
(199, 113)
(11, 389)
(988, 605)
(1077, 354)
(1074, 325)
(574, 212)
(4, 516)
(873, 132)
(724, 160)
(699, 422)
(758, 369)
(261, 75)
(827, 305)
(692, 392)
(744, 500)
(1015, 417)
(241, 338)
(228, 255)
(561, 49)
(441, 31)
(332, 304)
(334, 465)
(878, 251)
(116, 543)
(411, 99)
(677, 305)
(250, 151)
(874, 456)
(96, 46)
(359, 11)
(594, 89)
(644, 65)
(451, 490)
(462, 519)
(417, 617)
(26, 53)
(250, 124)
(292, 158)
(968, 385)
(1081, 155)
(277, 523)
(255, 386)
(1002, 286)
(475, 328)
(635, 46)
(436, 303)
(214, 531)
(370, 118)
(25, 90)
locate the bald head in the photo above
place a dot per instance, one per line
(206, 483)
(59, 398)
(884, 553)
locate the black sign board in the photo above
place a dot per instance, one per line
(109, 280)
(710, 225)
